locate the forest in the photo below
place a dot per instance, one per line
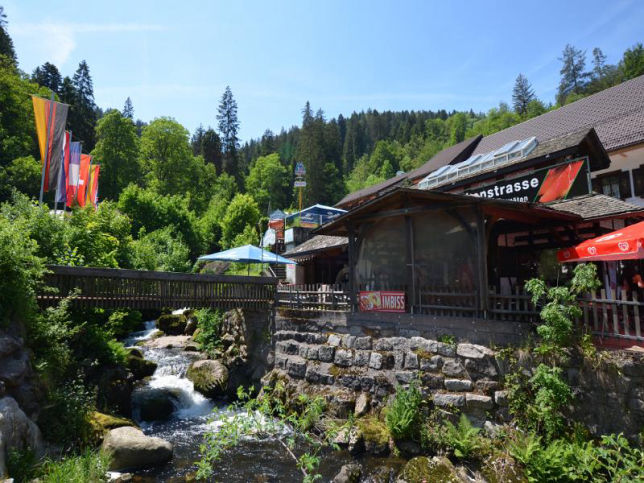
(167, 196)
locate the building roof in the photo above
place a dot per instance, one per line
(617, 114)
(452, 154)
(408, 201)
(318, 243)
(595, 206)
(583, 141)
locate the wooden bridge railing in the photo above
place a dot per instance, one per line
(141, 289)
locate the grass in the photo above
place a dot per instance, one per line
(87, 467)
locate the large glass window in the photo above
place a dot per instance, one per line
(617, 184)
(382, 256)
(445, 251)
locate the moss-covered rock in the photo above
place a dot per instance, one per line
(502, 468)
(422, 468)
(172, 324)
(140, 367)
(154, 404)
(209, 377)
(101, 423)
(375, 435)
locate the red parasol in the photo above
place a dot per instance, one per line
(624, 244)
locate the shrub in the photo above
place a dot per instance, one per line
(404, 414)
(162, 249)
(209, 326)
(89, 466)
(121, 322)
(463, 439)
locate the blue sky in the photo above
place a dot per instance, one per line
(175, 58)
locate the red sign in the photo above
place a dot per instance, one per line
(380, 301)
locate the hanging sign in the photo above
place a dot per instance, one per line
(299, 184)
(300, 170)
(381, 301)
(541, 186)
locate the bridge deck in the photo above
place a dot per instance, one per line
(141, 289)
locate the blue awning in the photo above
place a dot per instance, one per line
(247, 254)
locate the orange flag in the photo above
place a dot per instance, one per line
(50, 117)
(83, 179)
(92, 187)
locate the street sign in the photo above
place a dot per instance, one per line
(299, 184)
(300, 170)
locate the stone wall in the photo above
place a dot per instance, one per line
(316, 354)
(348, 360)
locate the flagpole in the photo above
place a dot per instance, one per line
(44, 166)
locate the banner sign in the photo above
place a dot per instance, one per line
(299, 184)
(380, 301)
(541, 186)
(300, 170)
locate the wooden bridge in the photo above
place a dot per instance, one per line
(140, 289)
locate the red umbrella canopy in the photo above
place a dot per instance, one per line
(624, 244)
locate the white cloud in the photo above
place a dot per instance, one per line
(58, 40)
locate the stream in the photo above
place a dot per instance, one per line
(187, 420)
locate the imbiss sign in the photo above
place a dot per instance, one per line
(541, 186)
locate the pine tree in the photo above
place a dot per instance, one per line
(48, 75)
(573, 77)
(632, 64)
(6, 44)
(196, 139)
(522, 94)
(228, 129)
(82, 114)
(211, 149)
(599, 63)
(128, 109)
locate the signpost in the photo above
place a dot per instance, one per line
(300, 173)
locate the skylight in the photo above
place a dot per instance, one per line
(507, 153)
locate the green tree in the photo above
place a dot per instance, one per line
(457, 125)
(522, 95)
(128, 109)
(166, 153)
(117, 151)
(228, 128)
(82, 114)
(6, 44)
(23, 174)
(17, 132)
(633, 61)
(207, 143)
(240, 213)
(161, 250)
(48, 76)
(573, 75)
(268, 182)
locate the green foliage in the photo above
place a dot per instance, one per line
(632, 64)
(161, 250)
(24, 175)
(121, 322)
(551, 396)
(242, 212)
(21, 270)
(65, 418)
(209, 325)
(297, 429)
(88, 466)
(268, 182)
(403, 415)
(117, 151)
(463, 439)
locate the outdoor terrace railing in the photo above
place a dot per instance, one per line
(619, 319)
(446, 302)
(314, 297)
(141, 289)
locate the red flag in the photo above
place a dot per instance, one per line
(92, 188)
(83, 179)
(50, 117)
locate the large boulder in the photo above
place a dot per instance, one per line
(17, 431)
(140, 367)
(131, 449)
(348, 474)
(209, 377)
(422, 468)
(154, 404)
(172, 324)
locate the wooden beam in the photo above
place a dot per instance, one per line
(352, 260)
(409, 235)
(482, 260)
(411, 211)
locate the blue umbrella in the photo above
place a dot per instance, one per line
(247, 254)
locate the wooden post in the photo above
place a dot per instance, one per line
(482, 261)
(409, 232)
(352, 261)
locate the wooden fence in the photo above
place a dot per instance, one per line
(313, 297)
(614, 318)
(140, 289)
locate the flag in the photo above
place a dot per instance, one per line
(50, 119)
(92, 186)
(83, 179)
(74, 172)
(61, 192)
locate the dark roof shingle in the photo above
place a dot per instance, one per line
(617, 114)
(316, 244)
(596, 205)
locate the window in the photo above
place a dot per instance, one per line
(616, 184)
(638, 181)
